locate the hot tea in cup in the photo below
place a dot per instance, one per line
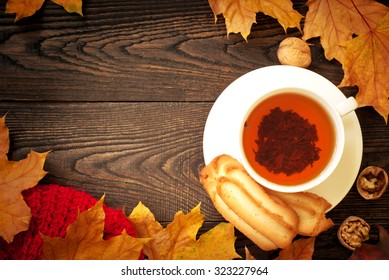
(292, 139)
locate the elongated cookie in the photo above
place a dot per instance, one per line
(225, 180)
(270, 219)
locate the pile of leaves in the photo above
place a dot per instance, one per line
(84, 238)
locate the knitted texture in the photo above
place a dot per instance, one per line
(53, 209)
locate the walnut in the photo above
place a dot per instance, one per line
(294, 51)
(372, 182)
(353, 232)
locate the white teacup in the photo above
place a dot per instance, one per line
(303, 103)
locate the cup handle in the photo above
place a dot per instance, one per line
(347, 106)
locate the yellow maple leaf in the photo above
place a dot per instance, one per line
(335, 22)
(84, 240)
(366, 65)
(23, 8)
(215, 244)
(26, 8)
(178, 239)
(241, 14)
(71, 6)
(15, 215)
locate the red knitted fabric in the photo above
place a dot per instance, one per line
(53, 208)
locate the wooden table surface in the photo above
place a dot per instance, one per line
(121, 96)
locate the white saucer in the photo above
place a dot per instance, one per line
(223, 123)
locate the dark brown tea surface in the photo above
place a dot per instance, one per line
(311, 122)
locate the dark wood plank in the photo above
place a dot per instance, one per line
(135, 51)
(113, 53)
(130, 151)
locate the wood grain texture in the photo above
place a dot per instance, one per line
(130, 151)
(134, 51)
(121, 96)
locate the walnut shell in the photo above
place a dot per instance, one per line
(372, 182)
(353, 231)
(294, 51)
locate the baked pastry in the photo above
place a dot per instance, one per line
(270, 219)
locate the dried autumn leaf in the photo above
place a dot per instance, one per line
(71, 6)
(26, 8)
(84, 240)
(301, 249)
(15, 177)
(365, 65)
(178, 239)
(215, 244)
(335, 22)
(23, 8)
(241, 14)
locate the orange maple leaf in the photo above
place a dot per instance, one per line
(23, 8)
(336, 21)
(15, 215)
(366, 65)
(26, 8)
(84, 240)
(241, 14)
(178, 239)
(301, 249)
